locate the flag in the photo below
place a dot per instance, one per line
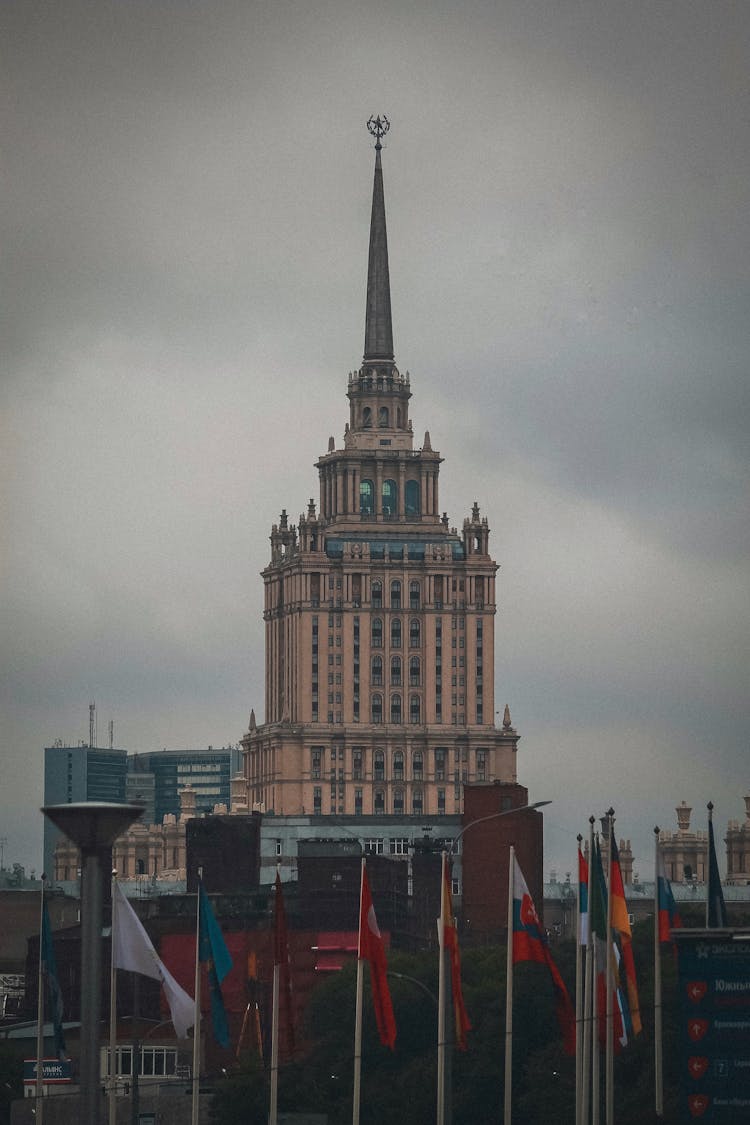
(54, 992)
(450, 942)
(621, 924)
(530, 944)
(598, 920)
(371, 949)
(716, 911)
(583, 899)
(667, 916)
(282, 959)
(133, 951)
(212, 949)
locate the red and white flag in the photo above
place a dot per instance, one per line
(372, 949)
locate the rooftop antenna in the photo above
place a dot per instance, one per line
(111, 733)
(92, 724)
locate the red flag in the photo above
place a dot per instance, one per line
(530, 944)
(371, 949)
(450, 942)
(282, 959)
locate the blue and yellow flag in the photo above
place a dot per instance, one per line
(212, 950)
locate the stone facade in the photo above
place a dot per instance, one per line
(738, 849)
(379, 619)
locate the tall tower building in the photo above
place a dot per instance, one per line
(379, 617)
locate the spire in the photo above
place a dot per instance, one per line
(378, 327)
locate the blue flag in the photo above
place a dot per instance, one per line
(212, 949)
(716, 913)
(54, 992)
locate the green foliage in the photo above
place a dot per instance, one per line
(11, 1077)
(400, 1085)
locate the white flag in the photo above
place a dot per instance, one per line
(134, 951)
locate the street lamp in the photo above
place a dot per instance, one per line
(445, 1070)
(93, 827)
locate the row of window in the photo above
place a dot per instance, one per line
(376, 632)
(389, 498)
(379, 804)
(441, 758)
(376, 594)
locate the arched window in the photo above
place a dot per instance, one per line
(383, 417)
(396, 708)
(396, 632)
(411, 498)
(378, 765)
(390, 499)
(377, 594)
(398, 765)
(414, 709)
(396, 671)
(379, 803)
(395, 594)
(414, 671)
(377, 709)
(417, 802)
(414, 595)
(398, 802)
(414, 633)
(417, 765)
(367, 417)
(377, 670)
(366, 498)
(377, 632)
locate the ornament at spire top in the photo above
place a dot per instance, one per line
(378, 127)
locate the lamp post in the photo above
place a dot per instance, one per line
(445, 1070)
(93, 828)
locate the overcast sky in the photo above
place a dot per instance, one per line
(184, 198)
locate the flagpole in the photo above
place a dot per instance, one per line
(610, 1043)
(588, 1004)
(197, 1012)
(579, 996)
(112, 1087)
(658, 1072)
(358, 1008)
(441, 998)
(508, 1091)
(39, 1094)
(274, 1106)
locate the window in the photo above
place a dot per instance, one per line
(374, 845)
(414, 709)
(441, 802)
(414, 671)
(414, 595)
(316, 756)
(367, 417)
(411, 496)
(396, 671)
(357, 759)
(395, 594)
(378, 765)
(390, 499)
(366, 498)
(398, 802)
(379, 802)
(481, 765)
(396, 632)
(377, 632)
(358, 802)
(398, 765)
(396, 708)
(278, 848)
(376, 708)
(417, 765)
(383, 417)
(414, 633)
(399, 845)
(440, 759)
(377, 670)
(376, 594)
(317, 800)
(417, 802)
